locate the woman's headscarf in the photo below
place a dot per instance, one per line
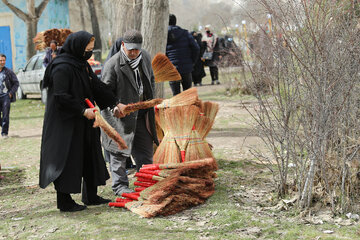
(71, 53)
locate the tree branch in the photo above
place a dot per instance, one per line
(17, 11)
(41, 7)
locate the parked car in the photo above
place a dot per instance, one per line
(30, 78)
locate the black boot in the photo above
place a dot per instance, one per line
(89, 195)
(66, 204)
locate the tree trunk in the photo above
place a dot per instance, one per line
(82, 18)
(137, 14)
(155, 17)
(31, 25)
(95, 24)
(122, 20)
(31, 20)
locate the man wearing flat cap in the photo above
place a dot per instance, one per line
(130, 76)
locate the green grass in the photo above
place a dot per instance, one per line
(28, 212)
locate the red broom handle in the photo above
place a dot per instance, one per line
(140, 179)
(117, 204)
(143, 184)
(140, 189)
(151, 166)
(152, 172)
(123, 200)
(130, 196)
(144, 175)
(89, 103)
(182, 155)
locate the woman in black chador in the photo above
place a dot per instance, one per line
(70, 147)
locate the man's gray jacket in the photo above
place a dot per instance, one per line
(120, 77)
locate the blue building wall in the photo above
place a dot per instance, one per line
(55, 15)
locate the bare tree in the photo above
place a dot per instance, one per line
(123, 15)
(95, 24)
(310, 119)
(31, 20)
(155, 18)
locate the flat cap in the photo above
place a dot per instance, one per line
(132, 39)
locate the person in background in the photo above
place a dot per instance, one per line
(8, 87)
(130, 76)
(114, 49)
(212, 54)
(51, 53)
(198, 72)
(183, 51)
(71, 153)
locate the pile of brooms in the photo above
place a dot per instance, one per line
(42, 39)
(183, 170)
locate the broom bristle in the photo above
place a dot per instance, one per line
(197, 148)
(109, 130)
(180, 121)
(202, 125)
(132, 107)
(210, 110)
(163, 69)
(185, 98)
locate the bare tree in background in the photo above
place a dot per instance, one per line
(310, 120)
(155, 20)
(31, 20)
(95, 24)
(82, 17)
(123, 15)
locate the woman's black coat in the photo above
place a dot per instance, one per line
(70, 146)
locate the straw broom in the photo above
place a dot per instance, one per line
(185, 98)
(132, 107)
(109, 130)
(159, 130)
(210, 109)
(202, 125)
(181, 120)
(167, 151)
(164, 70)
(197, 148)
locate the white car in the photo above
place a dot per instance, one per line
(30, 78)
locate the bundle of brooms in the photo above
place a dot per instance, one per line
(179, 186)
(185, 122)
(42, 39)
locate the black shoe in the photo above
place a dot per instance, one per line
(73, 208)
(97, 201)
(212, 83)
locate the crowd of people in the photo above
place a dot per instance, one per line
(71, 155)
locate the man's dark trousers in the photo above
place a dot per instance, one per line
(186, 82)
(4, 114)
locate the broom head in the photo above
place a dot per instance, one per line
(164, 70)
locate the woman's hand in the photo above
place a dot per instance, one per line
(119, 110)
(89, 113)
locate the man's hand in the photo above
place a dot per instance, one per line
(119, 110)
(10, 95)
(89, 113)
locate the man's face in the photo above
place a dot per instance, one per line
(2, 62)
(53, 46)
(132, 54)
